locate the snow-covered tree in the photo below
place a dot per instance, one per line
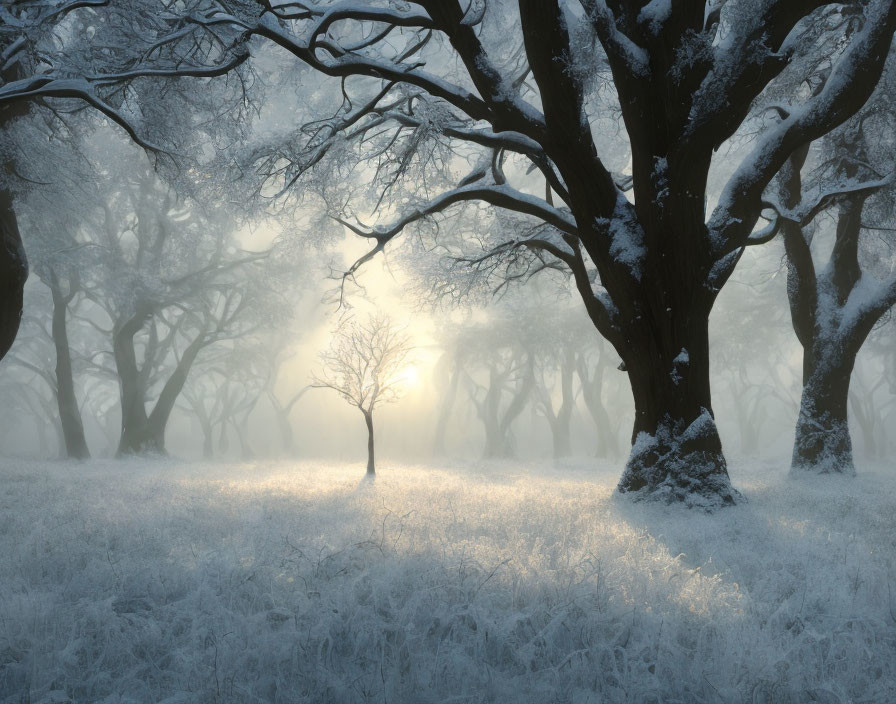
(841, 279)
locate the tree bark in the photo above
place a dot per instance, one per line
(13, 273)
(822, 443)
(371, 468)
(830, 332)
(655, 257)
(69, 411)
(676, 450)
(13, 261)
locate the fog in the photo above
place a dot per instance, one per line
(755, 418)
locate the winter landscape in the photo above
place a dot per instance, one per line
(447, 351)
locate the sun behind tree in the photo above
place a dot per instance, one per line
(367, 364)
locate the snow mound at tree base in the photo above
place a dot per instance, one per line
(681, 464)
(827, 463)
(164, 582)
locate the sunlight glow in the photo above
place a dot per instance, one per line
(410, 375)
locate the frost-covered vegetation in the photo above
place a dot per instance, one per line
(173, 582)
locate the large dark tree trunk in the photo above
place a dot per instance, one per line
(69, 411)
(371, 465)
(13, 262)
(13, 273)
(676, 450)
(654, 256)
(822, 442)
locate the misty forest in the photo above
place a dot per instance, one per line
(423, 351)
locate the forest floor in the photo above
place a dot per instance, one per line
(292, 582)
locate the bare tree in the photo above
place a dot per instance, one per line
(364, 365)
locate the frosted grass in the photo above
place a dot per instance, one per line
(172, 582)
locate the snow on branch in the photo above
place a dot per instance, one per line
(851, 81)
(49, 85)
(341, 63)
(805, 213)
(619, 47)
(354, 11)
(502, 196)
(869, 299)
(762, 236)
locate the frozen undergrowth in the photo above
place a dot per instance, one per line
(142, 582)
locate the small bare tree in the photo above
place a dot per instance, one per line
(364, 364)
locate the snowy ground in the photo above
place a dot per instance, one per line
(143, 582)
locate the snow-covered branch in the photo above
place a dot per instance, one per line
(502, 196)
(621, 49)
(851, 81)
